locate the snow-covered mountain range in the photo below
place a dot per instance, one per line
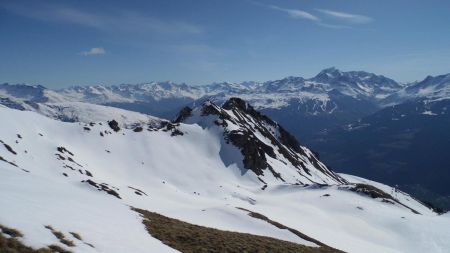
(271, 94)
(84, 186)
(319, 91)
(329, 99)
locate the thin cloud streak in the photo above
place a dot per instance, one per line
(295, 13)
(300, 14)
(349, 17)
(332, 26)
(120, 21)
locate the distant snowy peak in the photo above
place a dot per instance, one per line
(20, 92)
(332, 74)
(328, 74)
(357, 83)
(130, 92)
(267, 149)
(431, 89)
(284, 85)
(437, 87)
(230, 87)
(29, 94)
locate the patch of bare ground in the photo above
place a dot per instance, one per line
(10, 243)
(76, 235)
(9, 148)
(6, 161)
(374, 192)
(14, 233)
(103, 187)
(281, 226)
(57, 249)
(61, 237)
(79, 238)
(190, 238)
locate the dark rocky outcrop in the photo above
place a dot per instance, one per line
(185, 113)
(64, 150)
(114, 125)
(138, 191)
(376, 193)
(103, 187)
(9, 148)
(167, 126)
(371, 191)
(6, 161)
(253, 149)
(251, 125)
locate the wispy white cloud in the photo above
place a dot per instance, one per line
(296, 13)
(113, 21)
(332, 26)
(325, 18)
(94, 51)
(348, 17)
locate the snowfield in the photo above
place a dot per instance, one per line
(86, 113)
(196, 177)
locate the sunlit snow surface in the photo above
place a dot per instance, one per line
(185, 178)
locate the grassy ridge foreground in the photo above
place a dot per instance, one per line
(184, 237)
(189, 238)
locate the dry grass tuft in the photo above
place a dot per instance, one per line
(76, 235)
(61, 237)
(13, 245)
(57, 249)
(10, 231)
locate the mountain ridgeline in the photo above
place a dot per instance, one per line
(260, 139)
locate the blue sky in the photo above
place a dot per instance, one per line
(63, 43)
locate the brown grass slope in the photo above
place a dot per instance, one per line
(189, 238)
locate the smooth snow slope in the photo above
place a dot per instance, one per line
(184, 177)
(86, 113)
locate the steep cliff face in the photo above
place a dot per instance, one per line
(267, 148)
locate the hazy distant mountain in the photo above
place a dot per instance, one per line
(432, 88)
(330, 99)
